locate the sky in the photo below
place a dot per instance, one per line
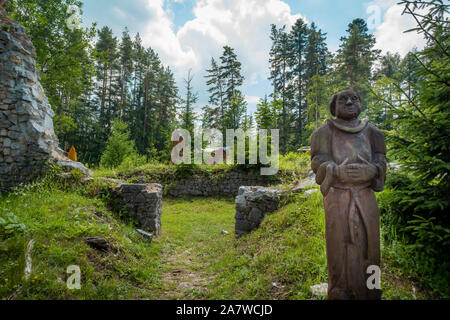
(186, 34)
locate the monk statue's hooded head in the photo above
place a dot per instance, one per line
(346, 105)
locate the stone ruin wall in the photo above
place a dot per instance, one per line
(252, 205)
(27, 138)
(228, 185)
(141, 202)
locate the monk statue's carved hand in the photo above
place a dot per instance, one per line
(356, 172)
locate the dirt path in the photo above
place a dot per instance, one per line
(191, 231)
(183, 278)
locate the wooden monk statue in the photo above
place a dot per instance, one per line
(349, 160)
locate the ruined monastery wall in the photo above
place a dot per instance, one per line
(27, 138)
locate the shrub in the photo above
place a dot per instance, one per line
(133, 160)
(10, 225)
(119, 146)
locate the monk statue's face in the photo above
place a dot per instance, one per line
(348, 105)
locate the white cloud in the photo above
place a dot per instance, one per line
(160, 36)
(383, 4)
(252, 99)
(390, 34)
(119, 13)
(243, 25)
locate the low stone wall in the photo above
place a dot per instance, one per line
(141, 202)
(226, 185)
(252, 205)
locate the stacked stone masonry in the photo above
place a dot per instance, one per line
(252, 205)
(142, 203)
(228, 185)
(27, 138)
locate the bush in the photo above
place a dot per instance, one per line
(420, 120)
(421, 232)
(118, 147)
(10, 225)
(296, 161)
(133, 160)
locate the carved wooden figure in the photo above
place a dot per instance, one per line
(349, 159)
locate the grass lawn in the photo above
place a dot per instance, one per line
(195, 257)
(58, 221)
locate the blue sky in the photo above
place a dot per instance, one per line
(187, 33)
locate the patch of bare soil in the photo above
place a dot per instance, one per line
(183, 278)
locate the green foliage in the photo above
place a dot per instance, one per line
(63, 58)
(268, 113)
(356, 56)
(58, 221)
(423, 240)
(417, 112)
(6, 27)
(295, 58)
(236, 111)
(10, 225)
(429, 236)
(187, 114)
(300, 162)
(133, 160)
(227, 105)
(183, 171)
(64, 124)
(119, 147)
(318, 97)
(288, 250)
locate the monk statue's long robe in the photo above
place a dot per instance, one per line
(351, 210)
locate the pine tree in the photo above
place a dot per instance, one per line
(279, 73)
(356, 56)
(247, 122)
(214, 113)
(297, 75)
(419, 142)
(389, 66)
(409, 71)
(106, 50)
(387, 73)
(268, 113)
(224, 81)
(166, 99)
(187, 115)
(119, 145)
(126, 71)
(318, 98)
(316, 54)
(230, 74)
(236, 111)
